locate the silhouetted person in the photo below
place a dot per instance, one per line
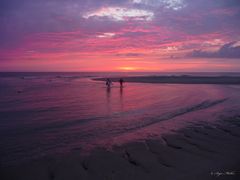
(121, 82)
(108, 83)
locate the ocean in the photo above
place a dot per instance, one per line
(45, 114)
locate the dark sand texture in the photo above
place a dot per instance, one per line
(200, 152)
(178, 79)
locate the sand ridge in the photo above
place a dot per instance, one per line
(202, 151)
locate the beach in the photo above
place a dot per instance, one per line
(202, 151)
(69, 126)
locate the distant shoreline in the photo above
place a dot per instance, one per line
(185, 79)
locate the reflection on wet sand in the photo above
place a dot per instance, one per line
(121, 99)
(108, 98)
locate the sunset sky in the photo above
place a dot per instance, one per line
(120, 35)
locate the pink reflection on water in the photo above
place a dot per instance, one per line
(60, 114)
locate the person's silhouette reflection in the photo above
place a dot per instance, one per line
(121, 98)
(121, 92)
(121, 82)
(108, 99)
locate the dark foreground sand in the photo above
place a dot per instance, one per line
(178, 79)
(200, 152)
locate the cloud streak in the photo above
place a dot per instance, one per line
(121, 14)
(229, 50)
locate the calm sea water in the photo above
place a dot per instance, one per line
(53, 113)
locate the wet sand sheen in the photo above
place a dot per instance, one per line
(205, 150)
(202, 151)
(51, 117)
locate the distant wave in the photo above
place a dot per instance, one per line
(203, 105)
(129, 127)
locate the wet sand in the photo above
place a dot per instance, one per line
(178, 79)
(200, 152)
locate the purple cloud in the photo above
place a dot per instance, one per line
(229, 50)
